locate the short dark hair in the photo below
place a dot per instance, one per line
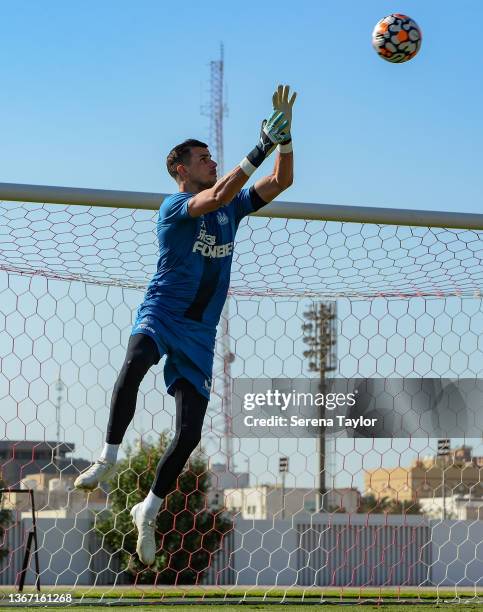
(181, 154)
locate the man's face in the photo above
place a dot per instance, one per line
(201, 170)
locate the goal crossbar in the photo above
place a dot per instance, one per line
(276, 209)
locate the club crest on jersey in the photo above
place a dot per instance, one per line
(222, 217)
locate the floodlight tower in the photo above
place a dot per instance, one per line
(321, 336)
(217, 109)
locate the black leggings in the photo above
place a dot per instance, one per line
(142, 353)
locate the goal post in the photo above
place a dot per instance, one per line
(74, 265)
(16, 192)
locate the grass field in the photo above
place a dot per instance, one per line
(145, 597)
(275, 607)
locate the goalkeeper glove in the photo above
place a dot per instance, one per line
(282, 104)
(273, 132)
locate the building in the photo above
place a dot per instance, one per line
(463, 476)
(220, 479)
(45, 469)
(20, 459)
(343, 500)
(58, 500)
(458, 508)
(272, 501)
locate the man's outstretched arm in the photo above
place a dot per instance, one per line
(270, 187)
(274, 131)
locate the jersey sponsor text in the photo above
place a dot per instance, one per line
(216, 250)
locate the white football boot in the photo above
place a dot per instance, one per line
(99, 471)
(146, 544)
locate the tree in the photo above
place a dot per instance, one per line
(5, 520)
(190, 532)
(371, 505)
(404, 507)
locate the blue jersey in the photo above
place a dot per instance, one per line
(185, 297)
(195, 254)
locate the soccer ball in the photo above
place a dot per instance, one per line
(397, 38)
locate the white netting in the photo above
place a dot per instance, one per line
(407, 305)
(273, 256)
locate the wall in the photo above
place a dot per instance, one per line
(337, 549)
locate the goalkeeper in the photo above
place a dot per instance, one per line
(184, 300)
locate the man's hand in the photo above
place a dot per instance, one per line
(281, 103)
(274, 131)
(275, 128)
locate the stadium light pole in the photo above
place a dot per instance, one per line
(443, 452)
(59, 387)
(320, 335)
(283, 469)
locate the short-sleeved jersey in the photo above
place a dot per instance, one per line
(195, 254)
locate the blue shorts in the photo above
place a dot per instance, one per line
(188, 355)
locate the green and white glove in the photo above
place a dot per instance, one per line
(273, 133)
(281, 103)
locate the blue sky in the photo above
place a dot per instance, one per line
(95, 95)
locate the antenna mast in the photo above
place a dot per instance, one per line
(217, 110)
(59, 387)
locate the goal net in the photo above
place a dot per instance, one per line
(256, 515)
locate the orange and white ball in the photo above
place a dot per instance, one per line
(397, 38)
